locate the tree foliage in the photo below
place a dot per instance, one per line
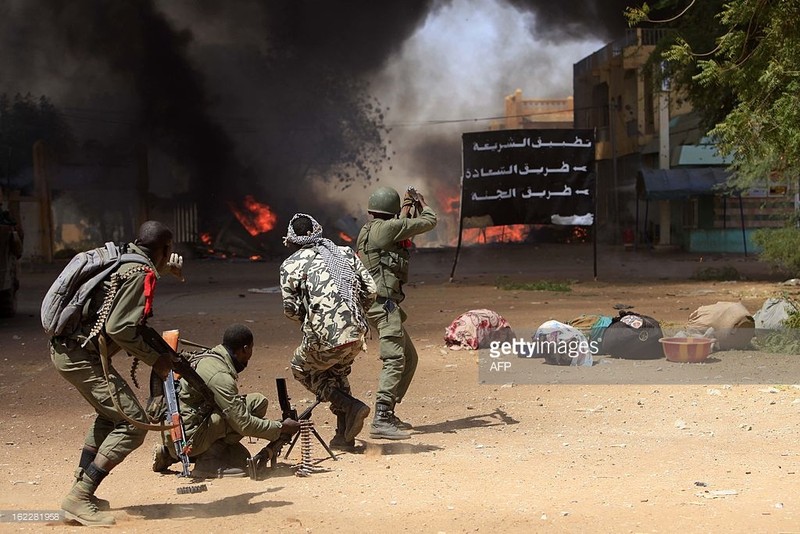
(781, 246)
(24, 120)
(738, 61)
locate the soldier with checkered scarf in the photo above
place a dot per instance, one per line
(327, 289)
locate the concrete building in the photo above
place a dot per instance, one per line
(658, 173)
(532, 113)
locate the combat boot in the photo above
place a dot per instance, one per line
(354, 410)
(399, 423)
(102, 504)
(213, 464)
(236, 455)
(382, 425)
(338, 442)
(162, 459)
(79, 506)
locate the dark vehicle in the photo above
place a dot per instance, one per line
(10, 253)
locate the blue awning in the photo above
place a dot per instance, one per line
(668, 184)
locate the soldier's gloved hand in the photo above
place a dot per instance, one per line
(175, 265)
(289, 427)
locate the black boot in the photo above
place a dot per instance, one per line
(399, 423)
(338, 442)
(354, 410)
(383, 426)
(214, 463)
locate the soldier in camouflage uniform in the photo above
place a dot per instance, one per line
(76, 356)
(383, 245)
(215, 440)
(327, 289)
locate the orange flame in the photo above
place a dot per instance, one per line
(580, 234)
(513, 233)
(344, 237)
(493, 234)
(205, 238)
(256, 217)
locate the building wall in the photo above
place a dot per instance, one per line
(614, 93)
(536, 112)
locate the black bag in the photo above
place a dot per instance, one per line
(633, 336)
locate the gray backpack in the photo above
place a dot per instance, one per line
(63, 303)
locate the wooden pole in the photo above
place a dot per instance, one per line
(41, 177)
(460, 219)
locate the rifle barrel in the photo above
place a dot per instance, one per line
(193, 344)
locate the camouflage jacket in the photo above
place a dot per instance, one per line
(382, 249)
(215, 367)
(310, 295)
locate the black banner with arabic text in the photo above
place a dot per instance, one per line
(528, 177)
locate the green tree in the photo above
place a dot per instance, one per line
(738, 62)
(24, 120)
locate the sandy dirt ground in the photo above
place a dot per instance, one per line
(709, 447)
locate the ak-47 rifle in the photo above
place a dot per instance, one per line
(173, 417)
(268, 456)
(171, 388)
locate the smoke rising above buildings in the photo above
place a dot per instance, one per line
(250, 96)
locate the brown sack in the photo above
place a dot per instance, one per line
(733, 325)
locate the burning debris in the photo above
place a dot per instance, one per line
(257, 218)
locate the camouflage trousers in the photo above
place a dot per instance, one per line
(110, 433)
(398, 354)
(323, 371)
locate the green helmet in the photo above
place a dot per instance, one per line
(384, 200)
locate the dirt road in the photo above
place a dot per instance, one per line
(678, 447)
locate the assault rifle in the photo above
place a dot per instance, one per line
(268, 456)
(173, 417)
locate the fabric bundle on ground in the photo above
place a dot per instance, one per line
(562, 344)
(476, 329)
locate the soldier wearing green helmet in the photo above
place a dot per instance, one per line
(383, 246)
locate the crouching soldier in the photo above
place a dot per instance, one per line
(215, 439)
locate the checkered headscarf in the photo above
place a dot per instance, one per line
(340, 269)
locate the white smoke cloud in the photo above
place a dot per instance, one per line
(458, 66)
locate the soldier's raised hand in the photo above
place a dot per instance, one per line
(175, 265)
